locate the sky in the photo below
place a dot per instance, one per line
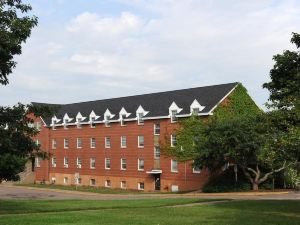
(85, 50)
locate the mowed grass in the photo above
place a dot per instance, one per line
(146, 212)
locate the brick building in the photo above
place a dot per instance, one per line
(115, 142)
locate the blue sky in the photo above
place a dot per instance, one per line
(86, 50)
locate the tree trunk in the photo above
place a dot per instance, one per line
(255, 186)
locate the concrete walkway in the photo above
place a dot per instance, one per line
(19, 192)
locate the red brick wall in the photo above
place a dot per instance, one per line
(185, 179)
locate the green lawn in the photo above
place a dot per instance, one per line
(130, 212)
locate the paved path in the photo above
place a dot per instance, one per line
(18, 192)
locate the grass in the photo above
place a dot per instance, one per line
(148, 212)
(99, 190)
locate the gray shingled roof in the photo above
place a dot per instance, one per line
(156, 103)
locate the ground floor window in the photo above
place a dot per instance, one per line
(141, 186)
(66, 180)
(107, 183)
(123, 184)
(92, 182)
(53, 180)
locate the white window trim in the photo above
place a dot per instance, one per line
(54, 145)
(52, 162)
(66, 147)
(172, 144)
(154, 126)
(66, 162)
(123, 146)
(66, 180)
(37, 162)
(139, 146)
(196, 105)
(105, 142)
(91, 159)
(78, 165)
(122, 164)
(139, 186)
(105, 164)
(139, 165)
(155, 157)
(196, 171)
(106, 184)
(174, 171)
(77, 143)
(91, 141)
(174, 107)
(91, 182)
(121, 184)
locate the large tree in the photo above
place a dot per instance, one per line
(16, 24)
(16, 137)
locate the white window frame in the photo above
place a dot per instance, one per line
(37, 162)
(107, 183)
(53, 162)
(122, 120)
(66, 124)
(196, 170)
(92, 142)
(93, 124)
(139, 164)
(123, 164)
(139, 186)
(78, 180)
(38, 125)
(172, 164)
(91, 182)
(173, 140)
(105, 163)
(66, 162)
(122, 184)
(123, 137)
(106, 142)
(78, 143)
(155, 152)
(155, 129)
(107, 121)
(139, 141)
(54, 143)
(93, 161)
(66, 180)
(78, 162)
(174, 118)
(53, 180)
(140, 118)
(79, 124)
(66, 143)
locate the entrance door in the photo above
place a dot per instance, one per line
(157, 182)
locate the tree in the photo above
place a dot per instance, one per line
(15, 28)
(16, 143)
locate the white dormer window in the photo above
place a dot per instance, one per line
(54, 121)
(122, 120)
(107, 122)
(140, 119)
(140, 114)
(173, 111)
(122, 115)
(93, 125)
(196, 108)
(173, 116)
(66, 120)
(65, 124)
(93, 117)
(79, 125)
(79, 119)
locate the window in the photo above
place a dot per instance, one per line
(107, 142)
(92, 182)
(66, 143)
(196, 169)
(107, 183)
(54, 143)
(38, 143)
(65, 123)
(79, 125)
(174, 166)
(123, 164)
(92, 163)
(140, 119)
(156, 152)
(123, 141)
(93, 142)
(37, 162)
(79, 143)
(195, 111)
(141, 165)
(173, 116)
(122, 119)
(78, 162)
(141, 141)
(107, 163)
(141, 186)
(66, 162)
(107, 124)
(66, 180)
(123, 184)
(53, 180)
(157, 129)
(53, 125)
(53, 161)
(92, 119)
(173, 140)
(38, 126)
(78, 180)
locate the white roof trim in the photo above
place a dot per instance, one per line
(174, 106)
(141, 110)
(213, 108)
(93, 114)
(196, 105)
(123, 112)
